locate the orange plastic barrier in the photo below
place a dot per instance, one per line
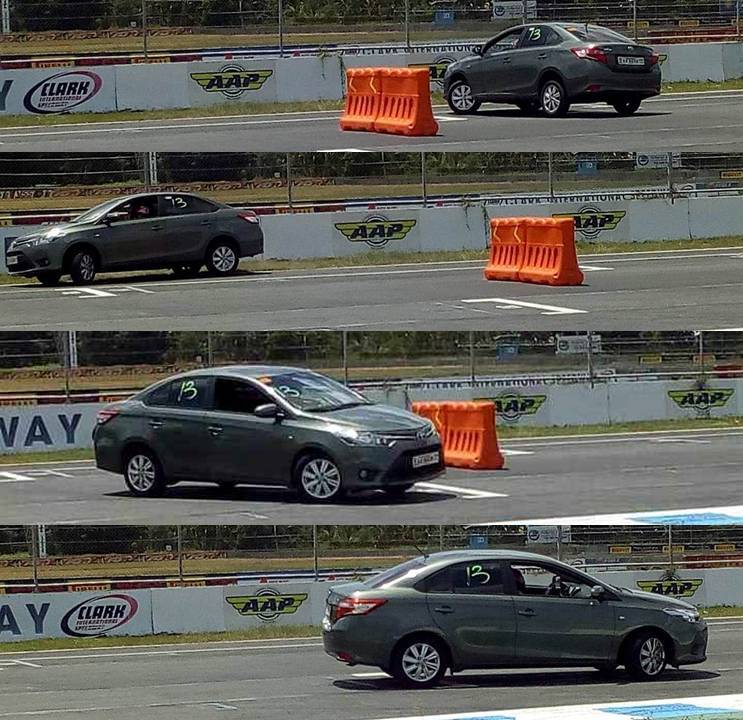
(468, 433)
(538, 250)
(389, 100)
(363, 95)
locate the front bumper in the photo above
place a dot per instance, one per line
(693, 650)
(27, 261)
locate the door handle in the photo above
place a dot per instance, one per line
(542, 56)
(444, 609)
(156, 423)
(216, 430)
(206, 222)
(527, 613)
(506, 61)
(156, 227)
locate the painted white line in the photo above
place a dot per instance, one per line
(370, 675)
(467, 493)
(24, 663)
(594, 268)
(546, 440)
(87, 292)
(689, 441)
(506, 303)
(511, 451)
(9, 477)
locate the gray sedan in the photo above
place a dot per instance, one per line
(501, 609)
(159, 230)
(548, 66)
(272, 426)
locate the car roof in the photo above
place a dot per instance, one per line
(245, 371)
(487, 555)
(150, 194)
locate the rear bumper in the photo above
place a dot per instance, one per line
(253, 244)
(354, 650)
(604, 84)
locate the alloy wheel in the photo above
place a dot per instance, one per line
(141, 472)
(87, 267)
(551, 98)
(223, 258)
(321, 479)
(421, 662)
(461, 97)
(652, 656)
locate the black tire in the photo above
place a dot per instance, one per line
(553, 99)
(627, 106)
(646, 656)
(318, 479)
(83, 267)
(222, 258)
(186, 271)
(396, 492)
(49, 278)
(408, 660)
(143, 473)
(461, 100)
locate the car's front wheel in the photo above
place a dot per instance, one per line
(553, 99)
(646, 657)
(318, 479)
(627, 106)
(49, 278)
(83, 267)
(461, 98)
(222, 258)
(143, 473)
(419, 662)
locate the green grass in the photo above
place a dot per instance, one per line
(51, 456)
(382, 258)
(245, 108)
(721, 611)
(267, 632)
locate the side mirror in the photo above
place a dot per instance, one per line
(597, 592)
(269, 410)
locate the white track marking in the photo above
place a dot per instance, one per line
(507, 304)
(466, 493)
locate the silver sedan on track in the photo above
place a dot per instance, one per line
(173, 230)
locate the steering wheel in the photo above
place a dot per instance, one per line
(555, 588)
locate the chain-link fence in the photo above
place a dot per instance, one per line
(35, 182)
(47, 555)
(136, 25)
(100, 361)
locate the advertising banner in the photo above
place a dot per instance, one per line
(262, 604)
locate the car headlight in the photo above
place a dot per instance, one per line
(691, 616)
(362, 438)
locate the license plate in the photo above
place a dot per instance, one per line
(431, 458)
(13, 260)
(630, 60)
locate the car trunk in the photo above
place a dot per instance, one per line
(627, 58)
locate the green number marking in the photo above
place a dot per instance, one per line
(476, 573)
(535, 33)
(188, 390)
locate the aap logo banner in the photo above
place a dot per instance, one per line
(376, 230)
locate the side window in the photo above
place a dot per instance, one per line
(483, 577)
(505, 42)
(439, 582)
(160, 396)
(184, 205)
(142, 208)
(237, 396)
(547, 581)
(187, 393)
(535, 36)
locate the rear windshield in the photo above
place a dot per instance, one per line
(411, 568)
(597, 34)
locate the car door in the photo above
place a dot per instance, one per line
(129, 235)
(491, 74)
(553, 629)
(187, 221)
(245, 447)
(467, 601)
(176, 427)
(536, 50)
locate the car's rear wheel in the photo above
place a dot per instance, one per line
(143, 473)
(187, 270)
(397, 492)
(627, 106)
(419, 662)
(83, 267)
(646, 656)
(222, 258)
(461, 99)
(49, 278)
(318, 479)
(553, 99)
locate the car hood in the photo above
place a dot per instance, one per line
(654, 599)
(58, 230)
(378, 418)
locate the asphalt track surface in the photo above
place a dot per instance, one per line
(275, 680)
(578, 475)
(711, 121)
(674, 290)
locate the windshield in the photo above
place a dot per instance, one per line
(597, 34)
(97, 212)
(311, 392)
(411, 567)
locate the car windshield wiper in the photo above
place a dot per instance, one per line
(342, 406)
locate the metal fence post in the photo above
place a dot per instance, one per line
(209, 349)
(144, 28)
(424, 186)
(289, 194)
(525, 12)
(407, 24)
(589, 356)
(738, 29)
(634, 19)
(344, 342)
(315, 553)
(670, 545)
(550, 176)
(179, 544)
(441, 538)
(6, 16)
(472, 356)
(35, 555)
(281, 28)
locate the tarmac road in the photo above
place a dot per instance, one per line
(580, 475)
(671, 290)
(711, 121)
(275, 680)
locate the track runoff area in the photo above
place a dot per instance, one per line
(675, 477)
(279, 679)
(669, 290)
(705, 121)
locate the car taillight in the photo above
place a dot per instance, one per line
(654, 59)
(105, 415)
(356, 606)
(590, 53)
(249, 216)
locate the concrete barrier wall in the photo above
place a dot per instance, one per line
(236, 607)
(217, 82)
(60, 427)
